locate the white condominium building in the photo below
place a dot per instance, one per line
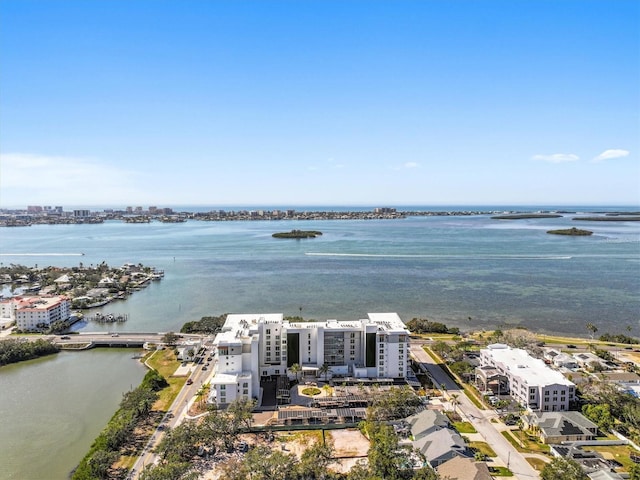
(532, 383)
(254, 346)
(33, 313)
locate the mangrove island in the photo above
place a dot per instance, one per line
(297, 234)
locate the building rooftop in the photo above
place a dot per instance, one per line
(461, 468)
(564, 423)
(520, 364)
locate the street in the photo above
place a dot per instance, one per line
(480, 419)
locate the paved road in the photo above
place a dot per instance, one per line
(174, 417)
(480, 419)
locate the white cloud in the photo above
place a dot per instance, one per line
(411, 165)
(35, 179)
(557, 157)
(611, 153)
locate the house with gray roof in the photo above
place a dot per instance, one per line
(426, 422)
(462, 468)
(558, 427)
(440, 446)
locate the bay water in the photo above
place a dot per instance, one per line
(473, 272)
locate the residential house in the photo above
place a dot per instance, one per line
(425, 422)
(441, 445)
(463, 468)
(558, 427)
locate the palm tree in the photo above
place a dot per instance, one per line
(324, 370)
(454, 401)
(202, 393)
(295, 369)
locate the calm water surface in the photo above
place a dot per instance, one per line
(53, 408)
(445, 268)
(472, 272)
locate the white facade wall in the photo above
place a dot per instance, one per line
(531, 382)
(252, 346)
(29, 312)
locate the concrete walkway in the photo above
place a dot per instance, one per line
(480, 419)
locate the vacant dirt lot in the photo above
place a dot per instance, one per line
(348, 443)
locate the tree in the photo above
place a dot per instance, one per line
(203, 391)
(599, 414)
(170, 338)
(100, 462)
(295, 369)
(454, 401)
(592, 328)
(241, 412)
(386, 460)
(634, 471)
(315, 461)
(170, 471)
(180, 444)
(563, 469)
(324, 370)
(267, 464)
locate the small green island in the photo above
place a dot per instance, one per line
(297, 234)
(573, 231)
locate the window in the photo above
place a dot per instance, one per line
(245, 384)
(268, 331)
(223, 387)
(277, 371)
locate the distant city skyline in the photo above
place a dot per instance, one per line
(285, 103)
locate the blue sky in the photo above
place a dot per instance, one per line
(377, 103)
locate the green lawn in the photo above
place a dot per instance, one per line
(464, 427)
(500, 472)
(620, 453)
(166, 363)
(529, 444)
(536, 463)
(482, 447)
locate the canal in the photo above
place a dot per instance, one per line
(52, 409)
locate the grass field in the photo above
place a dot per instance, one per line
(619, 453)
(536, 463)
(166, 363)
(524, 443)
(464, 427)
(483, 447)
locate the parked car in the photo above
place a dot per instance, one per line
(189, 381)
